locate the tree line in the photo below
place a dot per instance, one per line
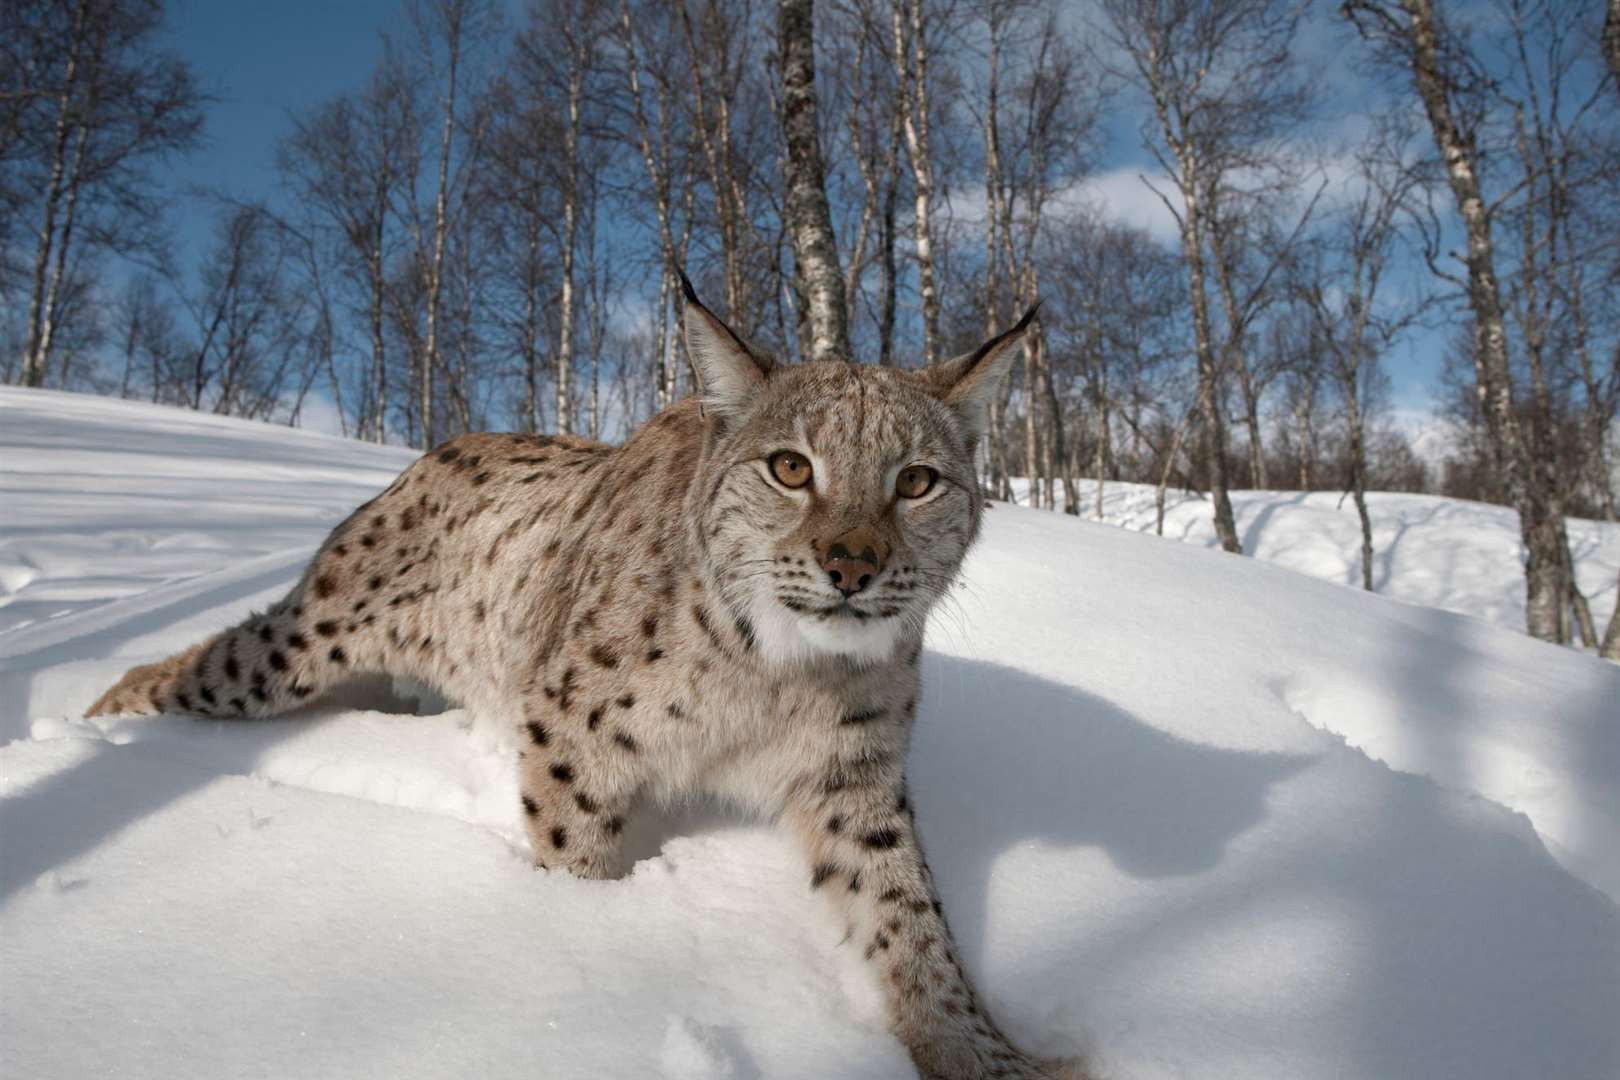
(486, 231)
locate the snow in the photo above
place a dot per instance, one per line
(1452, 554)
(1195, 815)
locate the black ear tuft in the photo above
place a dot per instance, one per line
(686, 288)
(729, 371)
(969, 381)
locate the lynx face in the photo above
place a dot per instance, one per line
(836, 502)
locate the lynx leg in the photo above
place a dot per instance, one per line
(858, 828)
(577, 783)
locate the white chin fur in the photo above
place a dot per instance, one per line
(786, 638)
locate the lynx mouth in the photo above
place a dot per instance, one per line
(845, 610)
(836, 613)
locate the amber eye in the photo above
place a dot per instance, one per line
(915, 481)
(790, 469)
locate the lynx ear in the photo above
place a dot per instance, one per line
(969, 382)
(729, 373)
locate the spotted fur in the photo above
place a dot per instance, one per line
(657, 618)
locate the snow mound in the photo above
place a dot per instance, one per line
(1459, 556)
(1193, 815)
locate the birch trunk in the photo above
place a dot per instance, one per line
(379, 367)
(809, 219)
(992, 171)
(36, 359)
(531, 328)
(864, 161)
(1579, 610)
(1169, 467)
(1305, 424)
(911, 71)
(1191, 183)
(1104, 439)
(1596, 422)
(657, 166)
(1234, 357)
(714, 110)
(1610, 650)
(1358, 480)
(441, 204)
(1060, 466)
(1544, 578)
(53, 291)
(663, 388)
(1213, 427)
(564, 376)
(999, 486)
(888, 272)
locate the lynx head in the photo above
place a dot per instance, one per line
(835, 501)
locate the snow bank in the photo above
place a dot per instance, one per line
(1191, 813)
(1459, 556)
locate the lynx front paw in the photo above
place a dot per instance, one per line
(601, 868)
(1071, 1069)
(1012, 1067)
(986, 1055)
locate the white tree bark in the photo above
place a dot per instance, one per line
(435, 274)
(564, 377)
(40, 309)
(657, 163)
(911, 70)
(1415, 32)
(809, 219)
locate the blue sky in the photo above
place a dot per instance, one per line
(267, 62)
(264, 62)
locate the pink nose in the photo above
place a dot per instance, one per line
(852, 563)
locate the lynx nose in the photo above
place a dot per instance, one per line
(853, 561)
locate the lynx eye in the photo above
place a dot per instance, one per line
(790, 469)
(915, 481)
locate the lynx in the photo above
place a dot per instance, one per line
(731, 603)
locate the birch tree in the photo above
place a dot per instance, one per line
(808, 217)
(448, 37)
(1223, 86)
(1555, 94)
(105, 105)
(1410, 36)
(1248, 249)
(912, 22)
(1037, 117)
(647, 43)
(1115, 315)
(519, 221)
(717, 59)
(343, 162)
(1345, 288)
(874, 123)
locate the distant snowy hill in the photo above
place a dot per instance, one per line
(1196, 815)
(1451, 554)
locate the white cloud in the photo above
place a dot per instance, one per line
(1432, 437)
(1117, 195)
(1130, 195)
(1123, 196)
